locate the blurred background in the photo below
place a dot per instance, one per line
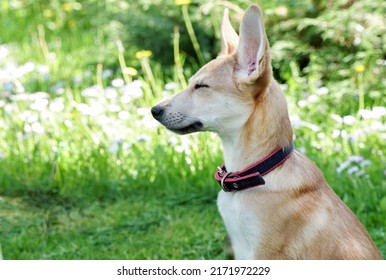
(86, 173)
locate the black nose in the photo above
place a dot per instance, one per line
(157, 112)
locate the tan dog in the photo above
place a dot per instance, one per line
(285, 210)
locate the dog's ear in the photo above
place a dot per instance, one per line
(252, 46)
(229, 37)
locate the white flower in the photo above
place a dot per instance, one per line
(148, 122)
(379, 111)
(114, 147)
(37, 128)
(125, 99)
(124, 115)
(171, 86)
(117, 83)
(355, 158)
(58, 87)
(83, 108)
(360, 173)
(68, 123)
(20, 97)
(349, 120)
(336, 118)
(322, 91)
(376, 113)
(91, 91)
(27, 68)
(39, 104)
(335, 133)
(357, 41)
(3, 51)
(179, 149)
(188, 160)
(143, 138)
(365, 113)
(365, 163)
(9, 108)
(143, 111)
(96, 108)
(321, 135)
(359, 28)
(173, 141)
(313, 98)
(296, 121)
(342, 167)
(133, 89)
(114, 108)
(43, 70)
(111, 93)
(302, 103)
(38, 95)
(352, 169)
(29, 116)
(56, 105)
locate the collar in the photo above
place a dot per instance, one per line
(251, 176)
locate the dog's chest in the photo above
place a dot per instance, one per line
(241, 222)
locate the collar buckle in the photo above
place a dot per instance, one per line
(253, 175)
(223, 186)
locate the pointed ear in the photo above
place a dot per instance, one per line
(252, 46)
(229, 37)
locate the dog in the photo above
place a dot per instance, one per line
(274, 201)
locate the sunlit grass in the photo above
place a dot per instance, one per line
(86, 173)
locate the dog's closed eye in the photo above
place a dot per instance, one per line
(197, 86)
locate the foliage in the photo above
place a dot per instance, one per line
(82, 163)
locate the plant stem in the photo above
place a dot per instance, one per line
(361, 92)
(179, 75)
(122, 62)
(99, 76)
(42, 41)
(149, 74)
(192, 35)
(1, 253)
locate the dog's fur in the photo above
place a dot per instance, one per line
(295, 215)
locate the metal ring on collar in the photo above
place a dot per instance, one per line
(222, 182)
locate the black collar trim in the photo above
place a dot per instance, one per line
(253, 175)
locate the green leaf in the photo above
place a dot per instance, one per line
(383, 203)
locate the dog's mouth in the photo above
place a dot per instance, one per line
(194, 127)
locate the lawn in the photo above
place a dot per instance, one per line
(85, 171)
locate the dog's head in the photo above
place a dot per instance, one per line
(223, 94)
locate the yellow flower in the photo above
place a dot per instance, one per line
(67, 7)
(183, 2)
(359, 68)
(48, 13)
(143, 54)
(130, 71)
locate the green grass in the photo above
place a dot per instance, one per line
(86, 173)
(138, 226)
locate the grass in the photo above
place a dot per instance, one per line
(86, 173)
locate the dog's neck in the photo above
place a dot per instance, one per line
(267, 128)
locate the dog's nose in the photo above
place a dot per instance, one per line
(157, 112)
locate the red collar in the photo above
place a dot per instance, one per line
(251, 176)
